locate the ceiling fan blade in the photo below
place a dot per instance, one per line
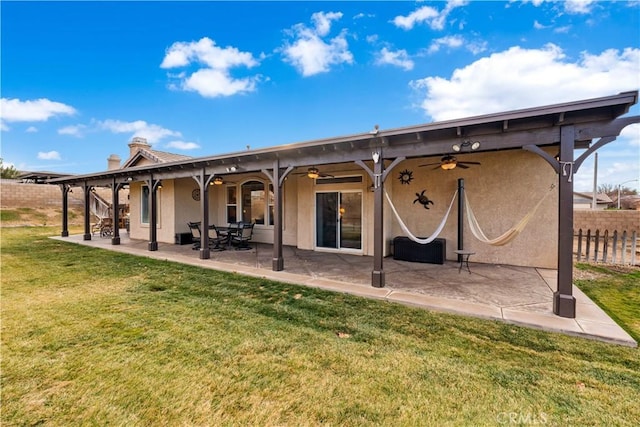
(460, 165)
(437, 167)
(470, 163)
(324, 175)
(429, 164)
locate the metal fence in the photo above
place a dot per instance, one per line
(604, 247)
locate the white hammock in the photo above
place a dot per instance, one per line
(406, 230)
(509, 235)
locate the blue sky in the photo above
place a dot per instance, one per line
(80, 79)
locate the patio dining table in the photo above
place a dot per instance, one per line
(227, 232)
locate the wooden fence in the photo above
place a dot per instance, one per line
(615, 248)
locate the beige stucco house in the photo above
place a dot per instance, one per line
(505, 180)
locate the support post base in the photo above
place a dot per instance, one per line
(115, 240)
(377, 279)
(564, 305)
(64, 234)
(153, 246)
(278, 264)
(86, 237)
(205, 253)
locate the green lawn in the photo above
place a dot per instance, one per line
(617, 291)
(91, 337)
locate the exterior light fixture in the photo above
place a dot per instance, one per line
(375, 156)
(313, 173)
(218, 180)
(232, 168)
(160, 185)
(473, 145)
(130, 179)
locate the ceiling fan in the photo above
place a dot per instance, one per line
(315, 173)
(449, 162)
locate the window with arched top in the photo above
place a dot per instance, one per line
(254, 204)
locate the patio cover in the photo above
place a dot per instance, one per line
(587, 124)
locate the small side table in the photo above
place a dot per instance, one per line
(464, 259)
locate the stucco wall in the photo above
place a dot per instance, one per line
(501, 191)
(178, 208)
(16, 194)
(607, 220)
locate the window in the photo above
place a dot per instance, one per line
(145, 214)
(253, 202)
(271, 204)
(252, 205)
(232, 204)
(144, 205)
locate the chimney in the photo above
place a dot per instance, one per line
(113, 162)
(137, 144)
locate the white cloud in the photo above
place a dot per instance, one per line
(182, 145)
(399, 58)
(562, 30)
(448, 41)
(519, 78)
(49, 155)
(578, 6)
(428, 15)
(39, 110)
(539, 26)
(32, 129)
(214, 79)
(372, 38)
(323, 21)
(73, 130)
(457, 42)
(309, 53)
(153, 133)
(423, 14)
(631, 134)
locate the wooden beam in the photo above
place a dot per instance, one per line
(564, 303)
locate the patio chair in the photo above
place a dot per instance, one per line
(242, 238)
(106, 227)
(218, 240)
(196, 235)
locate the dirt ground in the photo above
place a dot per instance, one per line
(37, 217)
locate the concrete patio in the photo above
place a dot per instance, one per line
(517, 295)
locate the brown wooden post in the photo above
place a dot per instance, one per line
(461, 197)
(377, 275)
(564, 303)
(277, 262)
(86, 189)
(203, 184)
(115, 205)
(153, 214)
(66, 189)
(277, 181)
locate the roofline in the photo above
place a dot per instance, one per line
(623, 99)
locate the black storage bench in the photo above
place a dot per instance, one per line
(405, 249)
(183, 238)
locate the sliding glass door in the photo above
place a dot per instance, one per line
(339, 220)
